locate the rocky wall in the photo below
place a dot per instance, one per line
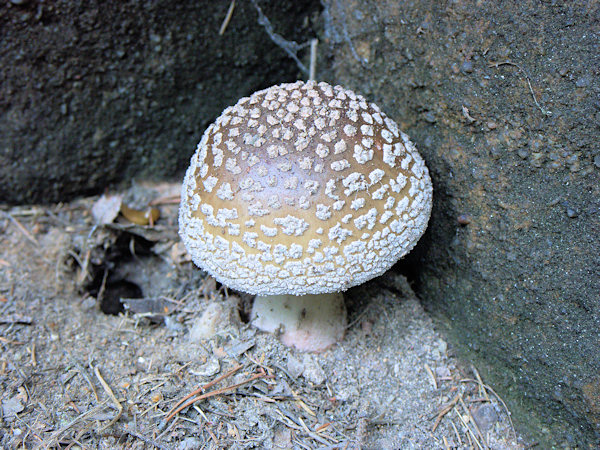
(503, 100)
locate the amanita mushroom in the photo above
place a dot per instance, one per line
(298, 193)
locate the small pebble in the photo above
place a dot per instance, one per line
(189, 443)
(236, 348)
(173, 326)
(367, 327)
(428, 142)
(208, 369)
(294, 367)
(467, 66)
(554, 201)
(442, 372)
(442, 346)
(206, 326)
(313, 371)
(572, 213)
(485, 416)
(597, 161)
(583, 82)
(463, 219)
(537, 159)
(11, 407)
(430, 117)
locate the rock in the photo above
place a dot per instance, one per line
(519, 283)
(294, 367)
(347, 394)
(189, 443)
(11, 407)
(282, 437)
(467, 66)
(236, 348)
(442, 371)
(218, 316)
(485, 416)
(209, 323)
(100, 118)
(173, 326)
(312, 370)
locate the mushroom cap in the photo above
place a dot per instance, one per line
(303, 188)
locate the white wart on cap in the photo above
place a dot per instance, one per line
(303, 188)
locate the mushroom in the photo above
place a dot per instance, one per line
(296, 194)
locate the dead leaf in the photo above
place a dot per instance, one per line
(106, 209)
(11, 407)
(179, 254)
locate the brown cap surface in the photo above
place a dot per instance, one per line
(303, 188)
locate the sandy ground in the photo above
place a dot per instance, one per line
(72, 376)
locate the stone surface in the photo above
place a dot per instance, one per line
(502, 101)
(485, 415)
(93, 94)
(209, 323)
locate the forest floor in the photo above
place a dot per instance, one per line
(106, 327)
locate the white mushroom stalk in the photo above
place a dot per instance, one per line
(303, 189)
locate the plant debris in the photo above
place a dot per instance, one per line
(71, 375)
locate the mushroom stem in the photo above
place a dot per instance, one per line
(308, 322)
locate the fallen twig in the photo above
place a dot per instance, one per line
(445, 411)
(207, 386)
(312, 434)
(110, 393)
(470, 380)
(9, 341)
(472, 420)
(16, 318)
(508, 63)
(482, 389)
(182, 404)
(456, 433)
(431, 376)
(303, 405)
(22, 229)
(85, 376)
(56, 435)
(146, 440)
(227, 18)
(469, 432)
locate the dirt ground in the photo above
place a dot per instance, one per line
(73, 376)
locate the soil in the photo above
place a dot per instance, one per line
(72, 376)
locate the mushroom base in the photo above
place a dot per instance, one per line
(310, 323)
